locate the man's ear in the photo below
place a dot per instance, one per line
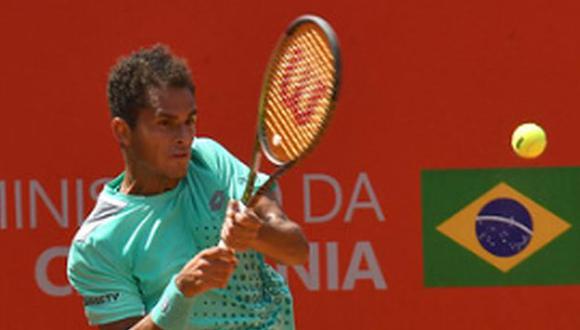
(121, 131)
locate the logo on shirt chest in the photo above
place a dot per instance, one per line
(217, 200)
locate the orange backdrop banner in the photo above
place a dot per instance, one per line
(427, 86)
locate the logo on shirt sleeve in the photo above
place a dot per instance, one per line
(101, 300)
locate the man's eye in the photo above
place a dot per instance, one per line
(164, 123)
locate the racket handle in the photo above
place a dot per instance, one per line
(248, 190)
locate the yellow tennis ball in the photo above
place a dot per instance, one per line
(529, 140)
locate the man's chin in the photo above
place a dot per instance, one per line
(178, 174)
(176, 168)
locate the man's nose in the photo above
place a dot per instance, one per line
(185, 133)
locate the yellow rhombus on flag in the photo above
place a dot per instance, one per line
(461, 227)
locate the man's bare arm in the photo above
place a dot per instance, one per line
(133, 323)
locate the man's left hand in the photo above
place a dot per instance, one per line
(241, 227)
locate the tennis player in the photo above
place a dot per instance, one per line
(147, 257)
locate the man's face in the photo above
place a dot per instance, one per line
(161, 140)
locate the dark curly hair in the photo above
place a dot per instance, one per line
(132, 77)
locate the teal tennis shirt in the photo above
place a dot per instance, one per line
(129, 247)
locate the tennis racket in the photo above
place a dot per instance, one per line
(297, 100)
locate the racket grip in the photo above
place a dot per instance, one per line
(241, 208)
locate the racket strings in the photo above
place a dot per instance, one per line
(300, 94)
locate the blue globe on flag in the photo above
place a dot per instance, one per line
(504, 227)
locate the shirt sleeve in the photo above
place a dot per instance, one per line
(109, 293)
(229, 169)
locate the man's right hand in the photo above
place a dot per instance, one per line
(209, 269)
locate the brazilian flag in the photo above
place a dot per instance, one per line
(501, 227)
